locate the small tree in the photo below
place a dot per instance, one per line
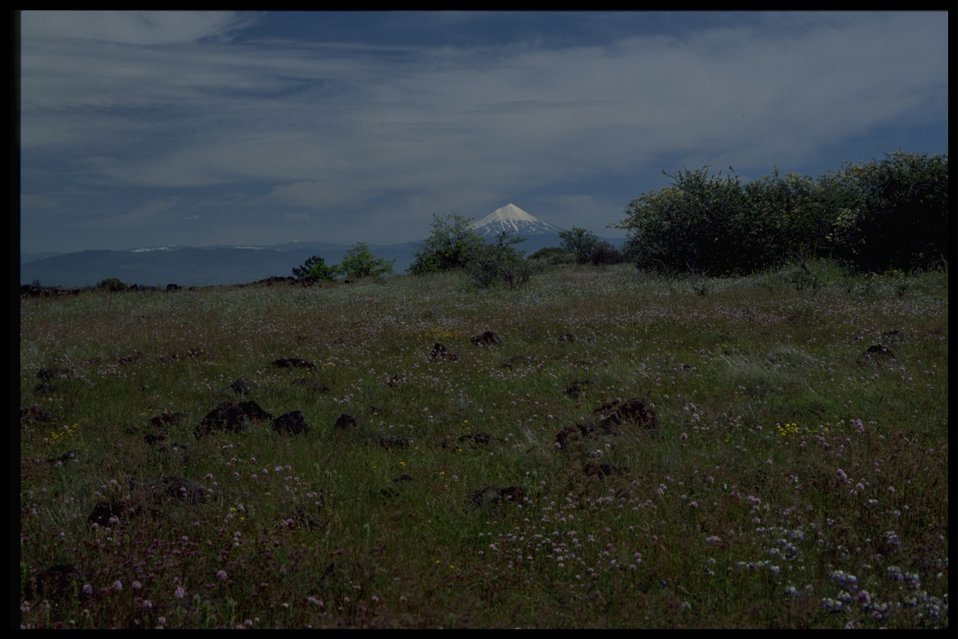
(499, 263)
(314, 269)
(112, 284)
(449, 245)
(360, 262)
(579, 242)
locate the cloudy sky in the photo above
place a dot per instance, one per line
(145, 129)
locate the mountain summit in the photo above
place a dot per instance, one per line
(511, 219)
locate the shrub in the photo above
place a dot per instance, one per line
(552, 255)
(112, 284)
(881, 215)
(360, 262)
(449, 246)
(691, 225)
(579, 242)
(314, 269)
(499, 263)
(895, 214)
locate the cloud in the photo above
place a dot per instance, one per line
(169, 101)
(147, 213)
(132, 27)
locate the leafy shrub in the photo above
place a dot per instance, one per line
(552, 255)
(314, 269)
(449, 246)
(499, 263)
(112, 284)
(360, 262)
(889, 214)
(691, 225)
(896, 213)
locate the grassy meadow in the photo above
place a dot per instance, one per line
(794, 475)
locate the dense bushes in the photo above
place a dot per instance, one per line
(587, 248)
(888, 214)
(358, 262)
(449, 246)
(453, 244)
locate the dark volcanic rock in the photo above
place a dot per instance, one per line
(487, 338)
(440, 352)
(180, 489)
(490, 495)
(631, 411)
(567, 338)
(232, 417)
(35, 414)
(603, 470)
(69, 456)
(55, 583)
(392, 442)
(291, 423)
(313, 385)
(345, 421)
(165, 419)
(243, 385)
(293, 362)
(154, 438)
(476, 438)
(575, 389)
(103, 510)
(610, 416)
(50, 374)
(879, 349)
(135, 356)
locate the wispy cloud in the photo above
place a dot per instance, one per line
(170, 102)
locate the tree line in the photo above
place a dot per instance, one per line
(872, 217)
(888, 214)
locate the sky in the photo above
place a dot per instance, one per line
(209, 128)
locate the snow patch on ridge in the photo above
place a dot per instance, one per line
(512, 219)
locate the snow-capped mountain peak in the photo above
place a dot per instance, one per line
(512, 219)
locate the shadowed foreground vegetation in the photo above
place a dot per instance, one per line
(783, 463)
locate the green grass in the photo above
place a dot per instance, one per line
(722, 516)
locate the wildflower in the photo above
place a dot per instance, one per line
(693, 504)
(222, 575)
(713, 539)
(830, 605)
(87, 589)
(136, 585)
(864, 598)
(118, 585)
(147, 604)
(841, 475)
(180, 592)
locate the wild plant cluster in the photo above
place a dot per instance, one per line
(599, 448)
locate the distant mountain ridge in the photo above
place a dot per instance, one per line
(230, 264)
